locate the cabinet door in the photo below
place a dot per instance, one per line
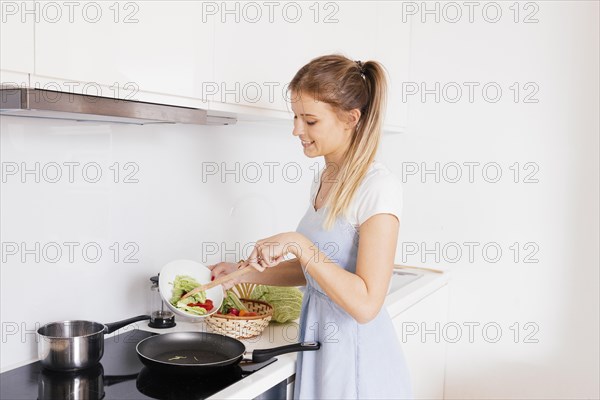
(425, 355)
(254, 61)
(133, 50)
(258, 50)
(16, 41)
(393, 50)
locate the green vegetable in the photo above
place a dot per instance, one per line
(231, 301)
(183, 305)
(182, 285)
(286, 301)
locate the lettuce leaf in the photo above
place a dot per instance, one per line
(183, 305)
(286, 301)
(182, 285)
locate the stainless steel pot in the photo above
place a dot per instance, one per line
(73, 345)
(87, 384)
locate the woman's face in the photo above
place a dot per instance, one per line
(319, 129)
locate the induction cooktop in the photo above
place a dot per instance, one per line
(120, 375)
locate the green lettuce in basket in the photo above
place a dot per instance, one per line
(231, 301)
(286, 301)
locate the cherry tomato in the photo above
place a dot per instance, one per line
(208, 305)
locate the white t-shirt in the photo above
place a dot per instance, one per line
(380, 192)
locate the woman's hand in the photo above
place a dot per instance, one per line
(269, 252)
(222, 269)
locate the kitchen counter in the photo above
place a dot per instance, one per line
(420, 284)
(408, 287)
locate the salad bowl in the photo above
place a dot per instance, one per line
(195, 270)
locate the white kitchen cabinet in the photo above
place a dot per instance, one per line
(16, 42)
(272, 52)
(238, 56)
(143, 50)
(425, 352)
(393, 50)
(257, 56)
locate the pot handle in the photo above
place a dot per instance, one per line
(113, 326)
(266, 354)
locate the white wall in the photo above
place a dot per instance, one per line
(559, 294)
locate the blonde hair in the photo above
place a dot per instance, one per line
(346, 85)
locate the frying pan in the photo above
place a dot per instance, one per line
(158, 385)
(202, 352)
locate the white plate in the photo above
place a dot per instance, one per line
(197, 271)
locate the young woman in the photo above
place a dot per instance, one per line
(344, 245)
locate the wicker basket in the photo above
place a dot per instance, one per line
(242, 327)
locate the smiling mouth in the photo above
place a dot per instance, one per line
(306, 143)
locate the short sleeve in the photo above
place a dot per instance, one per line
(380, 194)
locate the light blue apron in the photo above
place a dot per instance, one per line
(356, 361)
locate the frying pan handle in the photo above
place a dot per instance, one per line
(266, 354)
(113, 326)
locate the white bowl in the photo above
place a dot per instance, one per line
(197, 271)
